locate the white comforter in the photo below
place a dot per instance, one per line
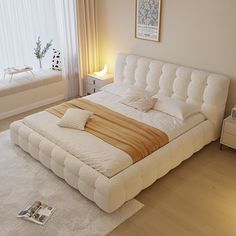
(93, 151)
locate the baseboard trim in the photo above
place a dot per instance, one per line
(32, 106)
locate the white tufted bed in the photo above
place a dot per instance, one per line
(105, 174)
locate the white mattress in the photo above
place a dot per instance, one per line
(93, 151)
(172, 126)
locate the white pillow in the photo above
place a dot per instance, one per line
(75, 118)
(117, 88)
(141, 91)
(176, 108)
(139, 100)
(120, 89)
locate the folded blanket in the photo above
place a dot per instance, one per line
(133, 137)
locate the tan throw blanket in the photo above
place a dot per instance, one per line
(133, 137)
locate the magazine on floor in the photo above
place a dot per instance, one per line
(38, 212)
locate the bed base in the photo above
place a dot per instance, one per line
(111, 193)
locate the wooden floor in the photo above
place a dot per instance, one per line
(197, 198)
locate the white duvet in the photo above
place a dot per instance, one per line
(93, 151)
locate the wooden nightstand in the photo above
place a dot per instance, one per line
(94, 82)
(228, 134)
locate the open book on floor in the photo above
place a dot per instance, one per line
(38, 212)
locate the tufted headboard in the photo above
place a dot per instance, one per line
(205, 89)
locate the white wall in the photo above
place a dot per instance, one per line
(196, 33)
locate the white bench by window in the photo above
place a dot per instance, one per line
(23, 81)
(24, 93)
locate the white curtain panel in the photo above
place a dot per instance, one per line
(21, 22)
(67, 29)
(71, 24)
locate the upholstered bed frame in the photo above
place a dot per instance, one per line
(192, 86)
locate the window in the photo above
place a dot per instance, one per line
(21, 22)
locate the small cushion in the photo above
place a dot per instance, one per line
(139, 100)
(176, 108)
(56, 60)
(75, 118)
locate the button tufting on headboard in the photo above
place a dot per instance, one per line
(207, 90)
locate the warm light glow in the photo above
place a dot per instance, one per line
(102, 72)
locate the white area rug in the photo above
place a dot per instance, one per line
(24, 180)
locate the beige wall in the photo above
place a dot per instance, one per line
(196, 33)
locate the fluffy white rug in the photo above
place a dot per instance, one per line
(24, 180)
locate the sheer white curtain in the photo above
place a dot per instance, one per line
(71, 24)
(77, 27)
(67, 29)
(21, 22)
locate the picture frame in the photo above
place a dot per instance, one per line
(147, 20)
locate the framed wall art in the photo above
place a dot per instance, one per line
(147, 22)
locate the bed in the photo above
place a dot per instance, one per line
(105, 174)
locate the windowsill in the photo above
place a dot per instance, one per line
(25, 81)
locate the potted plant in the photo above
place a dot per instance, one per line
(39, 52)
